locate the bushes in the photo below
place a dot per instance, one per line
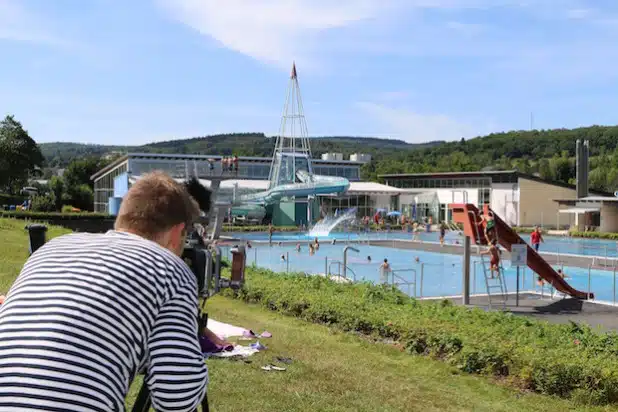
(43, 203)
(43, 216)
(568, 360)
(595, 235)
(11, 199)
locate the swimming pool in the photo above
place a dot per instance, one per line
(553, 244)
(441, 273)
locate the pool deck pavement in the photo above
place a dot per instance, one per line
(597, 315)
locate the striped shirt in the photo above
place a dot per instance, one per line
(87, 312)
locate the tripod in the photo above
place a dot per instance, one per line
(144, 402)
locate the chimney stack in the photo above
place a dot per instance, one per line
(582, 167)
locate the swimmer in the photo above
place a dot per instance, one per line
(279, 244)
(316, 243)
(249, 245)
(298, 247)
(562, 274)
(416, 259)
(368, 259)
(311, 249)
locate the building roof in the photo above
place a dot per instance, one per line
(485, 173)
(252, 184)
(171, 156)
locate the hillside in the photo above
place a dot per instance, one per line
(547, 153)
(242, 144)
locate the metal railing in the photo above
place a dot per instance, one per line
(398, 280)
(340, 273)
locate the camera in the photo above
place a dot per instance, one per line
(205, 262)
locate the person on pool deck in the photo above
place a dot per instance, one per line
(298, 247)
(442, 233)
(494, 258)
(271, 229)
(536, 238)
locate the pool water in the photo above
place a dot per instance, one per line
(553, 244)
(441, 273)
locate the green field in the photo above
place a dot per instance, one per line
(332, 371)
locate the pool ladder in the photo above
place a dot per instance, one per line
(497, 283)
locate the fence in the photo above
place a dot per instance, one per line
(442, 275)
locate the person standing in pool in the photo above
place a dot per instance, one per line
(385, 268)
(271, 229)
(536, 238)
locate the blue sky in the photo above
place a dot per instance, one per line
(132, 72)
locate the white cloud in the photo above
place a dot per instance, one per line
(273, 31)
(17, 23)
(412, 126)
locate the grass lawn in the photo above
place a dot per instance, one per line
(332, 371)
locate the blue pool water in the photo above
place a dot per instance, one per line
(441, 273)
(553, 244)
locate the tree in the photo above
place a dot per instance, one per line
(19, 155)
(79, 171)
(56, 184)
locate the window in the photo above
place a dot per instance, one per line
(484, 196)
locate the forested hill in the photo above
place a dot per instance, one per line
(548, 153)
(241, 144)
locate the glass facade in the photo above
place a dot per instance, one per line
(439, 182)
(247, 169)
(352, 173)
(364, 204)
(179, 167)
(104, 187)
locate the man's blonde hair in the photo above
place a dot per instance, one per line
(154, 204)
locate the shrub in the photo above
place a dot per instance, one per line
(567, 360)
(44, 203)
(67, 209)
(11, 199)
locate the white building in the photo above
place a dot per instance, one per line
(519, 199)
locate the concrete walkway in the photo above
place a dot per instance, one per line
(562, 311)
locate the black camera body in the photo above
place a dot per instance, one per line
(204, 260)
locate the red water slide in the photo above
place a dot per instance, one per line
(474, 227)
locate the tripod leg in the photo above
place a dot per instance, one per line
(142, 403)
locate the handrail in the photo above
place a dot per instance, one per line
(402, 280)
(345, 258)
(339, 266)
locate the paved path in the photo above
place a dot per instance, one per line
(554, 311)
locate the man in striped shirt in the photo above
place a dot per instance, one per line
(88, 311)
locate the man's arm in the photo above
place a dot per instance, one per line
(177, 375)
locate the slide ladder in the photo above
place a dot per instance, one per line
(468, 214)
(495, 285)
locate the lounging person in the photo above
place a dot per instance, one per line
(494, 258)
(536, 237)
